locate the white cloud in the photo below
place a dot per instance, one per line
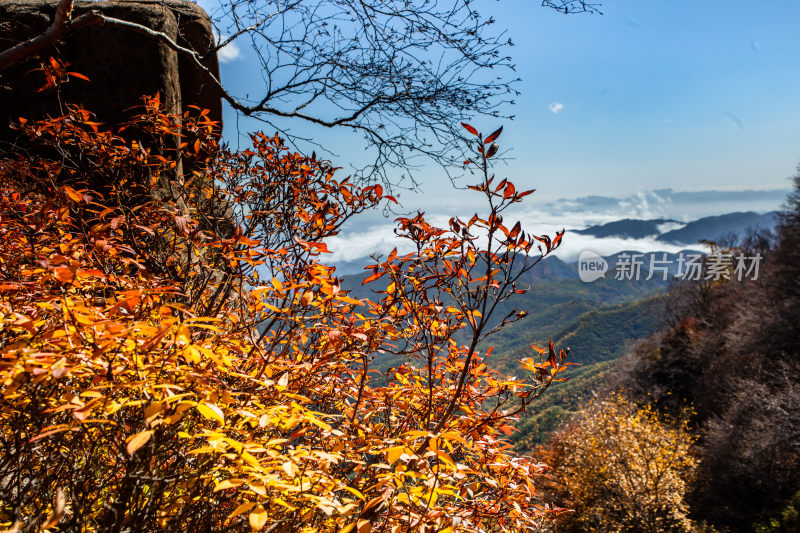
(575, 243)
(351, 246)
(556, 107)
(380, 240)
(358, 241)
(231, 52)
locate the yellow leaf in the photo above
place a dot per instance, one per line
(258, 518)
(243, 508)
(364, 526)
(211, 411)
(228, 484)
(257, 486)
(250, 459)
(184, 335)
(191, 354)
(138, 440)
(355, 492)
(394, 453)
(348, 528)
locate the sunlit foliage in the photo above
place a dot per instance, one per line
(175, 356)
(620, 467)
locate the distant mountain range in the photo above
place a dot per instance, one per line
(597, 320)
(714, 228)
(644, 234)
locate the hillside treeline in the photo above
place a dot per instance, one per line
(726, 367)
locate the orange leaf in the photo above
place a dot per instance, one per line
(64, 274)
(557, 238)
(394, 453)
(72, 193)
(307, 298)
(373, 277)
(78, 75)
(138, 440)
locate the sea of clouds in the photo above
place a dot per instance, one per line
(375, 234)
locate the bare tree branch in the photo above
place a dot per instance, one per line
(401, 73)
(52, 34)
(572, 6)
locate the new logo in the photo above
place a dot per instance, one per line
(591, 266)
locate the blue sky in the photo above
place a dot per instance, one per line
(680, 94)
(652, 95)
(688, 95)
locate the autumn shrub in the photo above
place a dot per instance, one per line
(175, 355)
(620, 467)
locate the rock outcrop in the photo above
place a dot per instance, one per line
(122, 64)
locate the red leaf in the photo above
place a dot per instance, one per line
(557, 238)
(510, 190)
(552, 358)
(469, 128)
(391, 198)
(78, 75)
(493, 136)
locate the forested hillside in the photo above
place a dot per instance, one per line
(724, 367)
